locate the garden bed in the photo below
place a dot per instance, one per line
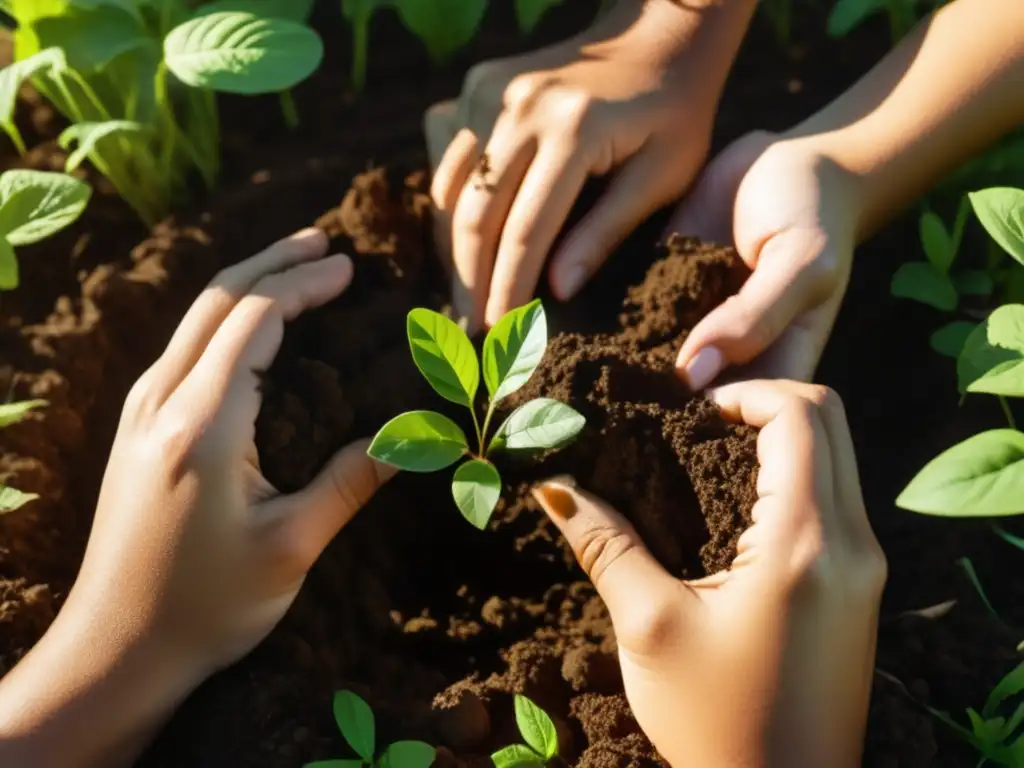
(432, 621)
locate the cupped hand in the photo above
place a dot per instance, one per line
(791, 213)
(770, 662)
(634, 94)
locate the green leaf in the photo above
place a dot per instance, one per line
(530, 12)
(355, 720)
(476, 489)
(408, 754)
(12, 499)
(419, 441)
(444, 355)
(13, 76)
(1009, 538)
(292, 10)
(517, 756)
(981, 477)
(444, 26)
(973, 282)
(919, 280)
(12, 413)
(938, 245)
(111, 33)
(335, 764)
(513, 349)
(847, 15)
(242, 53)
(37, 204)
(536, 727)
(539, 424)
(8, 266)
(972, 576)
(129, 7)
(1010, 685)
(949, 340)
(992, 360)
(90, 135)
(1001, 211)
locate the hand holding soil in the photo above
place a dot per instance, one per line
(786, 636)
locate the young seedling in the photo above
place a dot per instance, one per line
(356, 723)
(33, 206)
(425, 441)
(11, 413)
(537, 731)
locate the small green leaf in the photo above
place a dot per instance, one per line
(949, 340)
(536, 727)
(513, 349)
(846, 15)
(919, 280)
(1010, 685)
(537, 425)
(8, 266)
(476, 489)
(13, 76)
(129, 7)
(517, 756)
(12, 413)
(1009, 538)
(408, 754)
(981, 477)
(90, 137)
(938, 245)
(419, 441)
(444, 355)
(37, 204)
(992, 360)
(444, 26)
(1001, 211)
(973, 282)
(12, 499)
(242, 53)
(530, 12)
(291, 10)
(335, 764)
(972, 576)
(355, 720)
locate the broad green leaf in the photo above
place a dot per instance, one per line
(8, 266)
(12, 413)
(335, 764)
(444, 26)
(992, 360)
(476, 488)
(517, 756)
(408, 754)
(37, 204)
(355, 720)
(536, 727)
(111, 32)
(513, 349)
(90, 137)
(530, 12)
(292, 10)
(981, 477)
(973, 282)
(949, 340)
(444, 355)
(419, 441)
(1001, 211)
(539, 424)
(12, 499)
(13, 76)
(847, 15)
(919, 280)
(129, 7)
(242, 53)
(1010, 685)
(938, 245)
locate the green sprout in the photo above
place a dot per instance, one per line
(356, 723)
(11, 413)
(537, 731)
(425, 441)
(33, 206)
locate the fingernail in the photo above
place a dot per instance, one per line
(703, 368)
(555, 496)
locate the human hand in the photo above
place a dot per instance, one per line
(636, 93)
(770, 662)
(792, 215)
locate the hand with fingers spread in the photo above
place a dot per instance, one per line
(771, 662)
(635, 94)
(194, 557)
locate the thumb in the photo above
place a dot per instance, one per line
(784, 284)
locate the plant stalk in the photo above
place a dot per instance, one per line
(289, 110)
(479, 433)
(360, 46)
(1007, 412)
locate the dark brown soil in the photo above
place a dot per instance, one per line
(435, 623)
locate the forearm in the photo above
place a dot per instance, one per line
(951, 88)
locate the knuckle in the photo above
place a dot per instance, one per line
(572, 110)
(522, 90)
(599, 546)
(650, 626)
(141, 399)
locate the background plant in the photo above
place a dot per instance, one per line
(847, 15)
(425, 441)
(137, 78)
(11, 413)
(539, 733)
(357, 725)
